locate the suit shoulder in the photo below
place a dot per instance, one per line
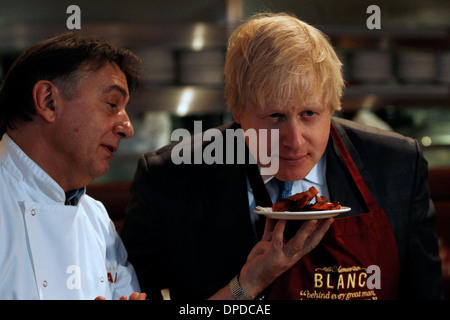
(367, 137)
(159, 157)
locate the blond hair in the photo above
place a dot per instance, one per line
(277, 58)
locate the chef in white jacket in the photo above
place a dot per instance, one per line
(62, 116)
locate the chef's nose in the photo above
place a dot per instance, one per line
(124, 128)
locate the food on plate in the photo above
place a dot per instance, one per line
(302, 202)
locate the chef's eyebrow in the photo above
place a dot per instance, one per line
(116, 87)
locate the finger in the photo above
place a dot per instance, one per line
(268, 229)
(314, 239)
(140, 296)
(306, 229)
(307, 237)
(134, 296)
(278, 234)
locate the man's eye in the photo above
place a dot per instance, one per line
(275, 115)
(112, 105)
(308, 113)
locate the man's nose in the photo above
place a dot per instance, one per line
(124, 128)
(291, 135)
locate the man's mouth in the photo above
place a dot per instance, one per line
(293, 158)
(110, 148)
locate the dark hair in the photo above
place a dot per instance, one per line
(62, 59)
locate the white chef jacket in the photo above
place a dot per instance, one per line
(52, 251)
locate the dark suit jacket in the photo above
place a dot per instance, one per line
(188, 226)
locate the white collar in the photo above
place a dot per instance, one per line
(24, 168)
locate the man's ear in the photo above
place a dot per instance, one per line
(44, 97)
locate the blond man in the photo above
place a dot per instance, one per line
(191, 227)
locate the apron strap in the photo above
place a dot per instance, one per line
(363, 188)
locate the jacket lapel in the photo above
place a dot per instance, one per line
(227, 199)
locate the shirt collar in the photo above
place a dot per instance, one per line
(24, 168)
(317, 173)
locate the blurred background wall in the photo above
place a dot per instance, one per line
(397, 77)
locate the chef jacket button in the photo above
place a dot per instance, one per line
(44, 283)
(102, 279)
(33, 212)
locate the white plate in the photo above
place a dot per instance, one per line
(301, 215)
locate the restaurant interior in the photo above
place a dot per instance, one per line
(397, 74)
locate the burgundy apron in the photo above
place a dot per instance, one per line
(357, 258)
